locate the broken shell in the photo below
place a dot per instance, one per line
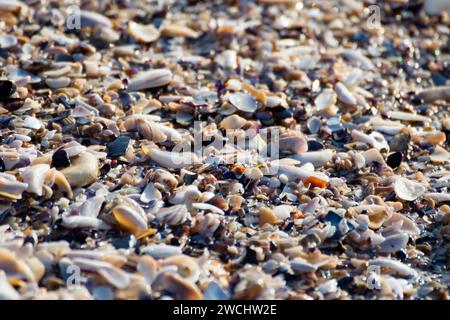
(173, 30)
(405, 116)
(407, 189)
(325, 102)
(394, 243)
(440, 155)
(144, 33)
(83, 171)
(317, 158)
(10, 188)
(187, 267)
(82, 222)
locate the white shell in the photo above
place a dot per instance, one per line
(408, 190)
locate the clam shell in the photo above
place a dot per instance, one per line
(174, 215)
(407, 189)
(92, 19)
(405, 116)
(233, 122)
(130, 218)
(243, 102)
(160, 251)
(150, 79)
(440, 155)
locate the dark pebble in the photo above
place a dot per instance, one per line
(7, 89)
(314, 145)
(118, 147)
(60, 159)
(394, 159)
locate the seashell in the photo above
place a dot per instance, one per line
(181, 288)
(161, 251)
(75, 222)
(7, 291)
(173, 30)
(373, 155)
(394, 243)
(267, 215)
(386, 126)
(21, 76)
(235, 202)
(92, 19)
(35, 176)
(150, 193)
(253, 173)
(32, 123)
(283, 212)
(10, 188)
(438, 197)
(83, 171)
(228, 60)
(439, 155)
(172, 160)
(143, 33)
(150, 79)
(405, 116)
(14, 6)
(407, 225)
(14, 267)
(174, 215)
(115, 276)
(408, 190)
(7, 41)
(243, 102)
(56, 83)
(208, 207)
(357, 57)
(293, 141)
(233, 122)
(344, 94)
(437, 93)
(394, 265)
(316, 179)
(317, 158)
(375, 139)
(165, 178)
(150, 132)
(187, 267)
(326, 101)
(130, 217)
(314, 124)
(91, 207)
(148, 267)
(206, 224)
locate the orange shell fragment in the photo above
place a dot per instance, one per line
(316, 182)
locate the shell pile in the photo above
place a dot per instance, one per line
(341, 190)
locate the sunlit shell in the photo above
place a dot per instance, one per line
(150, 79)
(440, 155)
(344, 94)
(293, 141)
(144, 33)
(130, 218)
(233, 122)
(267, 215)
(83, 170)
(407, 189)
(394, 243)
(10, 188)
(243, 102)
(172, 160)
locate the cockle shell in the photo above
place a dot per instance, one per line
(407, 189)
